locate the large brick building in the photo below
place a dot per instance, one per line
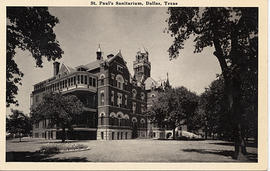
(115, 102)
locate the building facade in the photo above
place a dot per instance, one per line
(115, 102)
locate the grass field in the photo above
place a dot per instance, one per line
(129, 151)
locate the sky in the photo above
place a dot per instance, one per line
(82, 29)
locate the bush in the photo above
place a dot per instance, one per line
(49, 149)
(53, 148)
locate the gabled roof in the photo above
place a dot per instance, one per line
(64, 68)
(93, 65)
(150, 82)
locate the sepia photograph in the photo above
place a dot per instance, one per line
(130, 84)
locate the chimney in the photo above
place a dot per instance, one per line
(55, 68)
(99, 53)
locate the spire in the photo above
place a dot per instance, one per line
(167, 84)
(99, 49)
(99, 53)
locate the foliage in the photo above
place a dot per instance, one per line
(28, 28)
(233, 32)
(173, 108)
(52, 148)
(59, 109)
(18, 123)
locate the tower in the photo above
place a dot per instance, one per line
(99, 53)
(142, 66)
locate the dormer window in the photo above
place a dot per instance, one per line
(119, 68)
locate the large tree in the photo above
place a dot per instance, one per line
(28, 28)
(18, 123)
(233, 33)
(174, 107)
(59, 109)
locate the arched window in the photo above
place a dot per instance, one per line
(102, 101)
(120, 81)
(120, 116)
(134, 93)
(142, 122)
(142, 95)
(102, 78)
(134, 120)
(126, 120)
(102, 116)
(113, 118)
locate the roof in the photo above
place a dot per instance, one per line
(93, 65)
(149, 82)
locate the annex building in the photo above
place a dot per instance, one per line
(115, 102)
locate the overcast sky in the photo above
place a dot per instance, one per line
(81, 29)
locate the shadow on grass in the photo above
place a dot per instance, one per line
(179, 140)
(232, 144)
(228, 153)
(26, 156)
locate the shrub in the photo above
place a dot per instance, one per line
(49, 149)
(53, 148)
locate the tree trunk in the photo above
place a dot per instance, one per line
(173, 133)
(63, 135)
(236, 116)
(20, 137)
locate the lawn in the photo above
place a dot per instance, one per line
(130, 151)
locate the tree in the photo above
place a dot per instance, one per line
(172, 107)
(59, 109)
(28, 28)
(18, 123)
(233, 32)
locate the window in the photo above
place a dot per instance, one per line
(102, 78)
(121, 135)
(37, 125)
(119, 68)
(142, 95)
(118, 135)
(85, 79)
(119, 99)
(120, 81)
(112, 135)
(36, 135)
(81, 79)
(78, 79)
(90, 81)
(102, 135)
(37, 99)
(153, 95)
(134, 93)
(94, 82)
(142, 109)
(68, 83)
(102, 98)
(102, 120)
(126, 135)
(133, 107)
(112, 97)
(126, 100)
(71, 81)
(74, 80)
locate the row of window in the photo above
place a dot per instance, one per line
(120, 101)
(119, 81)
(79, 79)
(118, 136)
(122, 122)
